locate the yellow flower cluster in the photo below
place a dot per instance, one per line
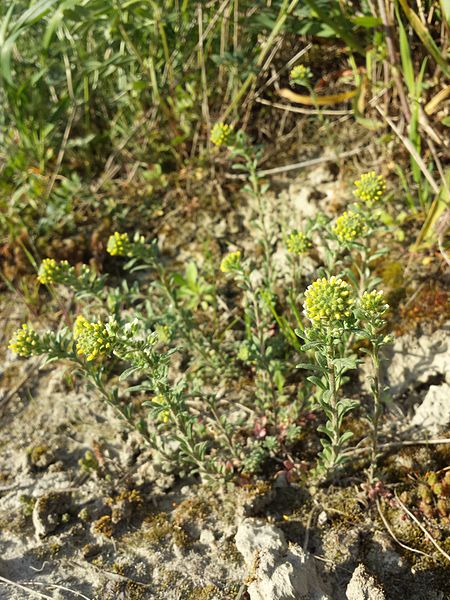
(92, 339)
(231, 262)
(164, 415)
(298, 243)
(349, 227)
(370, 188)
(373, 304)
(119, 244)
(328, 301)
(25, 341)
(221, 134)
(300, 74)
(52, 271)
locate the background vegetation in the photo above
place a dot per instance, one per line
(107, 106)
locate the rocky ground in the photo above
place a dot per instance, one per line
(86, 513)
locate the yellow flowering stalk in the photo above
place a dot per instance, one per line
(372, 308)
(25, 342)
(231, 262)
(370, 188)
(93, 338)
(300, 74)
(119, 244)
(328, 301)
(373, 305)
(350, 226)
(298, 243)
(222, 134)
(52, 271)
(330, 306)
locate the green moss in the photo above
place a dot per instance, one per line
(37, 452)
(343, 508)
(89, 551)
(410, 534)
(17, 524)
(131, 590)
(207, 593)
(193, 510)
(103, 526)
(173, 580)
(229, 553)
(27, 503)
(156, 528)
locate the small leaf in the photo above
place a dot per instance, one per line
(344, 364)
(318, 382)
(127, 373)
(366, 21)
(345, 437)
(308, 366)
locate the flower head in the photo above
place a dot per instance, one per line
(92, 338)
(52, 271)
(231, 262)
(298, 243)
(349, 226)
(25, 342)
(222, 134)
(373, 304)
(370, 188)
(119, 244)
(300, 74)
(328, 301)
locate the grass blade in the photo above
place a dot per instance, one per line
(425, 37)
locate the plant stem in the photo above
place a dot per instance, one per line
(335, 446)
(226, 435)
(377, 409)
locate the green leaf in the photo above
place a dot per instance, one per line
(191, 274)
(55, 21)
(127, 373)
(326, 429)
(33, 14)
(405, 55)
(345, 437)
(325, 399)
(317, 381)
(366, 21)
(345, 406)
(445, 4)
(425, 37)
(344, 364)
(311, 345)
(308, 366)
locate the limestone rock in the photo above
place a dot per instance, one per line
(415, 359)
(277, 571)
(362, 586)
(252, 537)
(434, 412)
